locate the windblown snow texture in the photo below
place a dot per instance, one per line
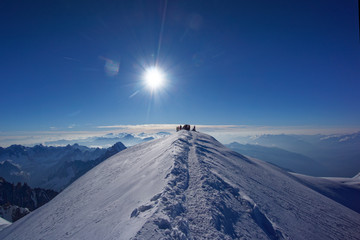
(342, 190)
(187, 186)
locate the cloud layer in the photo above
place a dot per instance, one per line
(224, 133)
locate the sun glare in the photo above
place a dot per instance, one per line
(154, 78)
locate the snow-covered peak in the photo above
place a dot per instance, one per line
(119, 146)
(187, 186)
(4, 223)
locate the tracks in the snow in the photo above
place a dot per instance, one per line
(197, 203)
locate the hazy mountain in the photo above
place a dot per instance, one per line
(338, 154)
(187, 186)
(287, 160)
(12, 172)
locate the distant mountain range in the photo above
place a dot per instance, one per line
(109, 139)
(289, 161)
(51, 167)
(325, 155)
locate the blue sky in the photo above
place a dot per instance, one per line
(78, 65)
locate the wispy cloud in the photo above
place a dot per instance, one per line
(75, 113)
(224, 133)
(132, 95)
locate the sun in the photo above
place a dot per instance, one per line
(154, 78)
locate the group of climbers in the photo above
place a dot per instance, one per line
(185, 127)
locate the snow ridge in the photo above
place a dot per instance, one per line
(168, 218)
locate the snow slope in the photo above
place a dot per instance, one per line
(187, 186)
(343, 190)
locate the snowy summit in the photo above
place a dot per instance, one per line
(187, 186)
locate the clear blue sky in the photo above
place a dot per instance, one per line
(279, 63)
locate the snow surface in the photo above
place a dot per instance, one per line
(187, 186)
